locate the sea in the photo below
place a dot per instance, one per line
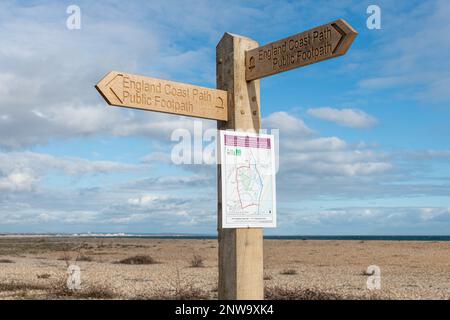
(212, 237)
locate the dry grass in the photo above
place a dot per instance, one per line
(85, 258)
(289, 272)
(6, 261)
(181, 291)
(56, 290)
(59, 290)
(191, 294)
(298, 293)
(138, 260)
(284, 293)
(267, 276)
(365, 273)
(96, 292)
(14, 286)
(197, 261)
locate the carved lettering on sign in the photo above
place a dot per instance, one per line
(318, 44)
(132, 91)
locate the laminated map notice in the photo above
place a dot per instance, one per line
(248, 180)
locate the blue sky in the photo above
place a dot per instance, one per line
(364, 139)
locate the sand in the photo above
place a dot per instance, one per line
(36, 268)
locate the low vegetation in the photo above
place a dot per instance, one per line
(85, 258)
(59, 290)
(267, 276)
(56, 290)
(138, 260)
(182, 290)
(365, 273)
(190, 293)
(13, 286)
(197, 261)
(284, 293)
(6, 261)
(289, 272)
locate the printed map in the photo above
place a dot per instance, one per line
(248, 180)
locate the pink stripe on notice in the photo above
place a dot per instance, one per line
(249, 142)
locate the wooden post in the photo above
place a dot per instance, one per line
(240, 250)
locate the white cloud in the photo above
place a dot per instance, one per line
(132, 218)
(18, 180)
(286, 123)
(347, 166)
(60, 101)
(206, 178)
(41, 103)
(317, 144)
(352, 118)
(20, 171)
(146, 200)
(301, 151)
(45, 217)
(311, 167)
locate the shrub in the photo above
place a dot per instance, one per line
(59, 290)
(85, 258)
(6, 261)
(366, 273)
(267, 277)
(138, 260)
(197, 261)
(282, 293)
(289, 272)
(20, 286)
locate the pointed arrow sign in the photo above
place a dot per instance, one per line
(325, 42)
(133, 91)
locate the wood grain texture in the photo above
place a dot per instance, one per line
(134, 91)
(321, 43)
(240, 250)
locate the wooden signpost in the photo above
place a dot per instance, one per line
(325, 42)
(240, 64)
(133, 91)
(240, 250)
